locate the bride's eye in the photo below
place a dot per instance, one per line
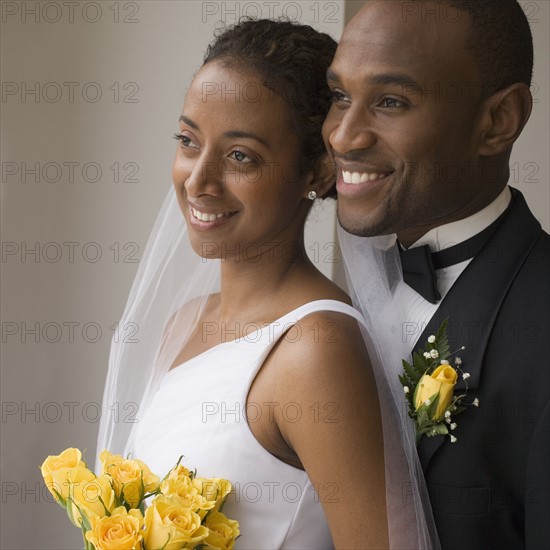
(185, 141)
(240, 157)
(337, 96)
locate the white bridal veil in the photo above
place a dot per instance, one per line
(373, 272)
(165, 303)
(154, 326)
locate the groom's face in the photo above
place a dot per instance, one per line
(402, 126)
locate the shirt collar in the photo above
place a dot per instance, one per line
(456, 232)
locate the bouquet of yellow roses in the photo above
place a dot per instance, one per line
(185, 510)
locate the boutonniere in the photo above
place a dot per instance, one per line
(429, 387)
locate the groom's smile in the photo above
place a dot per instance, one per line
(354, 179)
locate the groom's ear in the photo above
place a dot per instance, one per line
(322, 178)
(503, 118)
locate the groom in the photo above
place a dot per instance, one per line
(429, 98)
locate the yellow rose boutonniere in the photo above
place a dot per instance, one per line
(440, 383)
(429, 384)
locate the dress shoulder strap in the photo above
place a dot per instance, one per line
(321, 305)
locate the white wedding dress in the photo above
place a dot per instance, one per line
(199, 412)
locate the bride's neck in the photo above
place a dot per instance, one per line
(251, 287)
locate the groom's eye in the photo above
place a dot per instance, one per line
(392, 103)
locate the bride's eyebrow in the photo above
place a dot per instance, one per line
(189, 122)
(241, 134)
(332, 76)
(230, 133)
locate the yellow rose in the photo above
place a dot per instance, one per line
(121, 530)
(93, 496)
(128, 476)
(214, 488)
(178, 481)
(55, 471)
(180, 485)
(171, 526)
(223, 531)
(179, 471)
(441, 382)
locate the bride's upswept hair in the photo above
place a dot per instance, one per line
(292, 60)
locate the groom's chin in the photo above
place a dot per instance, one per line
(361, 225)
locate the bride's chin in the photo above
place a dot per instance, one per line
(206, 250)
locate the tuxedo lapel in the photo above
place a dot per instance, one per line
(473, 302)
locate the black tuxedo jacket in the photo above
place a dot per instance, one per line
(491, 489)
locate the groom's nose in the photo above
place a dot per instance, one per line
(348, 131)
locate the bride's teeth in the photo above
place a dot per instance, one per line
(361, 177)
(203, 217)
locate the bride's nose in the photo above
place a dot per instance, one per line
(205, 178)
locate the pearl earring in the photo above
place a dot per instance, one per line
(312, 195)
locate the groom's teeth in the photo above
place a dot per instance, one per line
(204, 217)
(361, 177)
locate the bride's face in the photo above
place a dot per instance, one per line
(236, 171)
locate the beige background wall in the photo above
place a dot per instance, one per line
(91, 96)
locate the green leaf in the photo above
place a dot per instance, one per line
(442, 341)
(60, 500)
(87, 545)
(432, 407)
(421, 363)
(412, 372)
(107, 513)
(437, 428)
(85, 522)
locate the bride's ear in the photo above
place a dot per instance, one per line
(322, 177)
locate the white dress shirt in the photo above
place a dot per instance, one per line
(417, 311)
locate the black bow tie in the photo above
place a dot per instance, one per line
(419, 263)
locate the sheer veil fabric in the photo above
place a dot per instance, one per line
(373, 272)
(165, 303)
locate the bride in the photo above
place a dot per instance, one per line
(247, 360)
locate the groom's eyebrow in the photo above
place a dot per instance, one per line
(396, 79)
(392, 79)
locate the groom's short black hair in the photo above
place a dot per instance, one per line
(500, 40)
